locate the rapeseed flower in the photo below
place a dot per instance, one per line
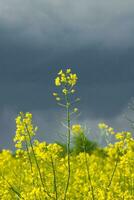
(76, 128)
(102, 125)
(57, 81)
(55, 94)
(66, 78)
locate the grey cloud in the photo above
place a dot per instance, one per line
(106, 81)
(106, 101)
(7, 127)
(119, 123)
(94, 65)
(70, 24)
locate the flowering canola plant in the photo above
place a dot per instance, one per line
(38, 170)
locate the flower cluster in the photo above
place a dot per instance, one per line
(111, 174)
(24, 129)
(104, 126)
(66, 78)
(76, 129)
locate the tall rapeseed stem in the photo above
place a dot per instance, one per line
(66, 81)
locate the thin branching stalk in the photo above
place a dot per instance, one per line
(67, 81)
(113, 172)
(68, 143)
(131, 180)
(28, 153)
(12, 188)
(54, 178)
(30, 161)
(112, 175)
(37, 165)
(87, 167)
(132, 186)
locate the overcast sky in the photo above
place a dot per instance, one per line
(38, 37)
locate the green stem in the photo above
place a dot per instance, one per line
(54, 178)
(37, 165)
(30, 160)
(12, 188)
(87, 167)
(68, 144)
(110, 182)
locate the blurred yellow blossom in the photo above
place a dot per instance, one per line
(68, 71)
(75, 109)
(57, 81)
(57, 98)
(102, 125)
(55, 94)
(60, 72)
(76, 128)
(65, 91)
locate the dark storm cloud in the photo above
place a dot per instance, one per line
(37, 38)
(68, 24)
(103, 76)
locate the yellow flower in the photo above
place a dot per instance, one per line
(66, 78)
(65, 91)
(57, 81)
(111, 130)
(76, 128)
(73, 79)
(72, 91)
(18, 145)
(75, 109)
(24, 129)
(60, 72)
(55, 94)
(57, 98)
(68, 71)
(102, 126)
(119, 136)
(63, 78)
